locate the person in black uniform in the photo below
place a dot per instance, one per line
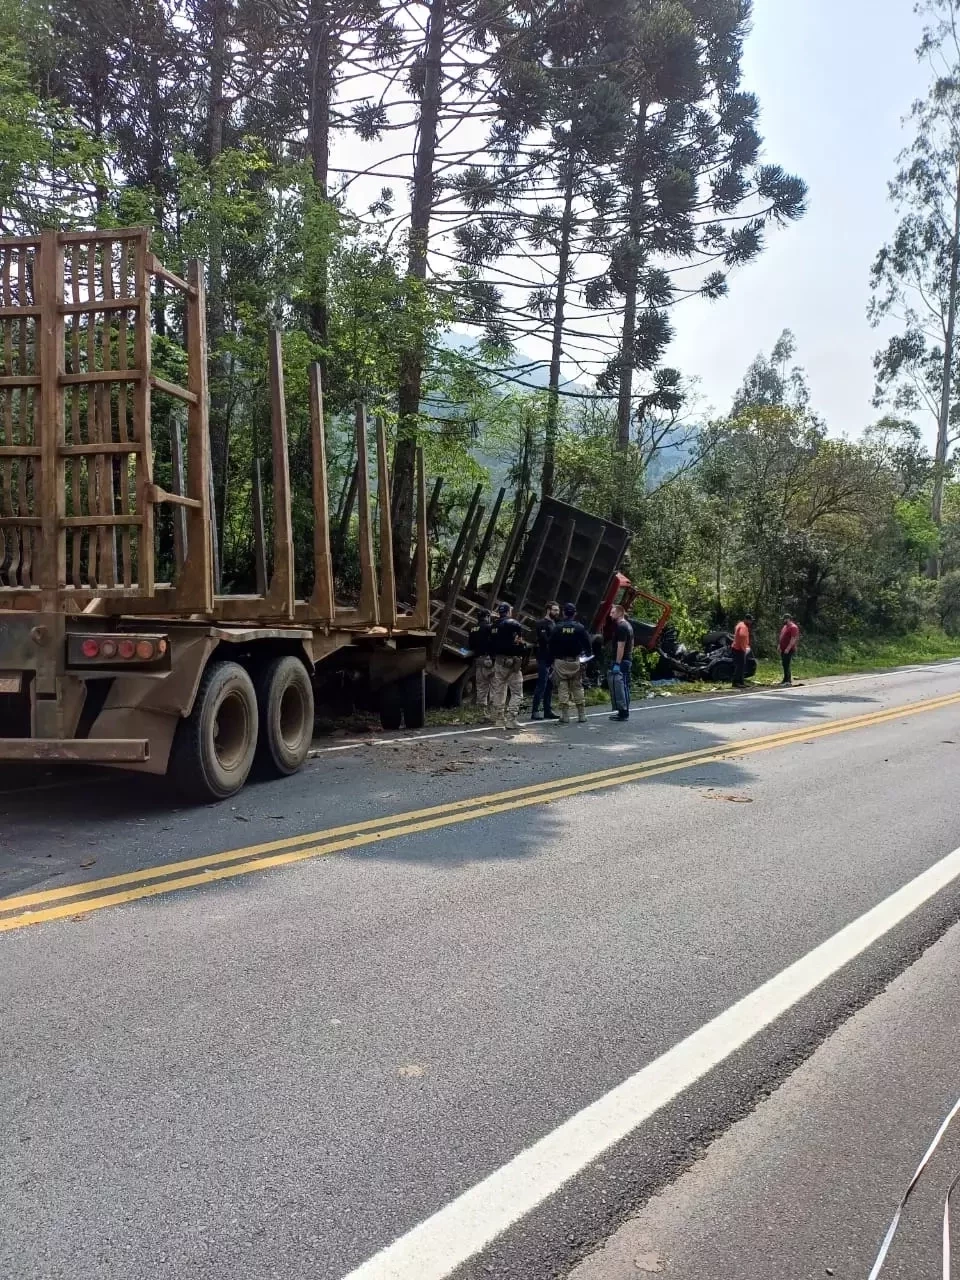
(480, 641)
(509, 651)
(622, 657)
(543, 693)
(569, 642)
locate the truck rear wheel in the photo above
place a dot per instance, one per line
(215, 745)
(413, 698)
(285, 703)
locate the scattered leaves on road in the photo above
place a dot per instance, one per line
(730, 797)
(88, 862)
(412, 1071)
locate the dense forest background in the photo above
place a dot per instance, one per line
(480, 216)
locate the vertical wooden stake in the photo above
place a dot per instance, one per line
(259, 532)
(141, 419)
(388, 579)
(509, 552)
(485, 544)
(458, 545)
(178, 482)
(200, 579)
(456, 582)
(282, 579)
(369, 605)
(323, 602)
(214, 536)
(53, 568)
(421, 616)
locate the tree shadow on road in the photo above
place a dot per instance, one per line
(106, 822)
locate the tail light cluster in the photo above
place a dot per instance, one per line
(118, 649)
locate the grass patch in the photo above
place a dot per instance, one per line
(815, 659)
(862, 655)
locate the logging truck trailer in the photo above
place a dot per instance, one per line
(99, 661)
(558, 552)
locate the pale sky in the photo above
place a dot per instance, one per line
(835, 79)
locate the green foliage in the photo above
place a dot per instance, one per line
(49, 167)
(607, 188)
(916, 276)
(948, 602)
(817, 658)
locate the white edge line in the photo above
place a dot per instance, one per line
(406, 740)
(463, 1228)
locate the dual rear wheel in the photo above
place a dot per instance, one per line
(238, 723)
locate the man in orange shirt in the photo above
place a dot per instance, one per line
(789, 639)
(740, 648)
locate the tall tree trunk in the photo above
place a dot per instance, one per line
(411, 364)
(320, 90)
(217, 112)
(949, 339)
(556, 350)
(629, 330)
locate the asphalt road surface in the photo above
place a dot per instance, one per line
(461, 1004)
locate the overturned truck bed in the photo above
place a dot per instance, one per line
(561, 553)
(100, 661)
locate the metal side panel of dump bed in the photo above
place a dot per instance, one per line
(569, 554)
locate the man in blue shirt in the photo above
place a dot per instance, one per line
(543, 693)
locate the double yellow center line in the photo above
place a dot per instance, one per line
(92, 895)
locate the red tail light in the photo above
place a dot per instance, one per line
(118, 650)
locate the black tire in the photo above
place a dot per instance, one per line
(391, 706)
(214, 747)
(285, 703)
(414, 698)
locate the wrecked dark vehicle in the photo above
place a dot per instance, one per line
(713, 663)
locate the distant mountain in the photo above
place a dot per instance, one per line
(521, 371)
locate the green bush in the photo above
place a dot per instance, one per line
(948, 602)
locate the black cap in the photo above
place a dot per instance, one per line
(569, 610)
(483, 615)
(504, 609)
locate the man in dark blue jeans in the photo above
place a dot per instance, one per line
(543, 693)
(622, 658)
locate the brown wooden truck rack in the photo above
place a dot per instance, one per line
(101, 662)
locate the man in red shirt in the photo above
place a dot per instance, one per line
(740, 649)
(789, 639)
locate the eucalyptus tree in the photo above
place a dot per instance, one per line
(916, 276)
